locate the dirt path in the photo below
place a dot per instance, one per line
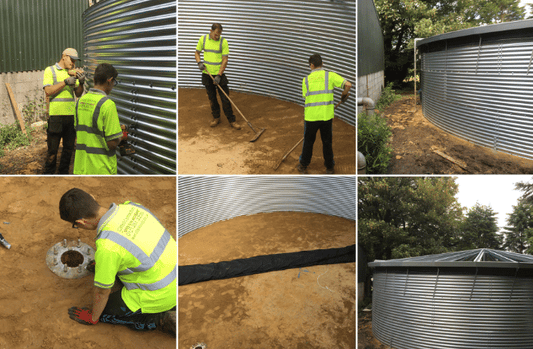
(223, 150)
(415, 141)
(283, 309)
(35, 300)
(366, 339)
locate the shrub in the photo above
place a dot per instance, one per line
(11, 137)
(388, 96)
(34, 111)
(373, 135)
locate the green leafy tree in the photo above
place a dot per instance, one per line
(527, 189)
(519, 229)
(407, 216)
(480, 229)
(404, 20)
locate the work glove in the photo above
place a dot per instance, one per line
(344, 97)
(70, 81)
(81, 77)
(201, 66)
(82, 315)
(217, 79)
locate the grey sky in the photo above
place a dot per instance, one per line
(496, 191)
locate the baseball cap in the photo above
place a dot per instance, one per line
(72, 53)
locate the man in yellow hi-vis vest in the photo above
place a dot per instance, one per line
(216, 51)
(60, 88)
(131, 244)
(317, 89)
(97, 126)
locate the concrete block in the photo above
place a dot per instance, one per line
(27, 87)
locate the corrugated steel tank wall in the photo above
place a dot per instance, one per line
(428, 308)
(270, 43)
(138, 38)
(370, 45)
(204, 200)
(34, 32)
(480, 88)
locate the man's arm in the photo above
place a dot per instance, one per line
(113, 144)
(345, 93)
(54, 89)
(79, 90)
(100, 297)
(197, 56)
(223, 65)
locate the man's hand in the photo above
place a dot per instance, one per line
(81, 77)
(344, 97)
(82, 315)
(201, 66)
(217, 79)
(70, 81)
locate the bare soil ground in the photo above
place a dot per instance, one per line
(283, 309)
(415, 141)
(223, 150)
(34, 300)
(366, 339)
(27, 160)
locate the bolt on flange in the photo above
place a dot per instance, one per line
(70, 259)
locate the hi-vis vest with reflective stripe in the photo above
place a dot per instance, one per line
(319, 105)
(212, 54)
(145, 241)
(63, 102)
(93, 156)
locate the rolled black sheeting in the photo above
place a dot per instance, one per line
(190, 274)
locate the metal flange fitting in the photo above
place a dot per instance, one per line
(69, 259)
(199, 346)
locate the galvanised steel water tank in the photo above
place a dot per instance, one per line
(471, 299)
(477, 84)
(205, 200)
(270, 43)
(139, 39)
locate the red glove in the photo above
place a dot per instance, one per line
(82, 315)
(124, 135)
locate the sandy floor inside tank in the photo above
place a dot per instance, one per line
(34, 300)
(223, 150)
(283, 309)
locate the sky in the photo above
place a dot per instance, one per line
(528, 9)
(496, 191)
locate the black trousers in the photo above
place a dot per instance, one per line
(326, 134)
(212, 89)
(117, 312)
(60, 127)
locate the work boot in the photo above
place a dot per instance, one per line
(301, 169)
(330, 170)
(215, 122)
(168, 323)
(235, 125)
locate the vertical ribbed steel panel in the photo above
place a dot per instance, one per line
(270, 44)
(35, 32)
(480, 88)
(205, 200)
(138, 37)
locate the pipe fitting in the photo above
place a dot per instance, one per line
(70, 259)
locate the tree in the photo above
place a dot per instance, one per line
(527, 188)
(404, 20)
(407, 216)
(480, 229)
(520, 228)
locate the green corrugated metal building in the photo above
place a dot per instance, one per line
(34, 33)
(370, 46)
